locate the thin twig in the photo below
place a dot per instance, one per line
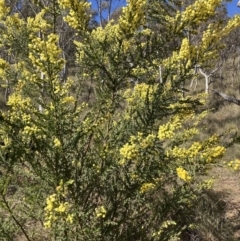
(14, 218)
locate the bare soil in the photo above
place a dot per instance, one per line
(227, 183)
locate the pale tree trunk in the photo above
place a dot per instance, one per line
(64, 72)
(99, 6)
(160, 75)
(107, 6)
(109, 10)
(207, 76)
(195, 79)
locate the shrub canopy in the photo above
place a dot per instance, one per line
(124, 163)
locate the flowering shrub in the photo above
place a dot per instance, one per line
(127, 166)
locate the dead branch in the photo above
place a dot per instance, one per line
(226, 97)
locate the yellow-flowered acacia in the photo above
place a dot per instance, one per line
(121, 166)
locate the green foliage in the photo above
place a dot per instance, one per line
(128, 166)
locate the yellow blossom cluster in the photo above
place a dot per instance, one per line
(68, 100)
(185, 50)
(37, 23)
(183, 174)
(196, 13)
(3, 9)
(212, 35)
(127, 45)
(214, 32)
(139, 71)
(148, 141)
(206, 151)
(183, 107)
(207, 184)
(46, 51)
(146, 187)
(139, 94)
(56, 209)
(56, 143)
(146, 32)
(181, 153)
(200, 10)
(14, 25)
(175, 131)
(128, 152)
(7, 141)
(4, 67)
(32, 130)
(62, 90)
(183, 57)
(23, 112)
(212, 153)
(169, 130)
(163, 227)
(137, 144)
(233, 23)
(235, 164)
(101, 212)
(79, 13)
(18, 103)
(106, 34)
(98, 37)
(207, 48)
(209, 36)
(133, 16)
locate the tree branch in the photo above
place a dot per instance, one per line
(228, 98)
